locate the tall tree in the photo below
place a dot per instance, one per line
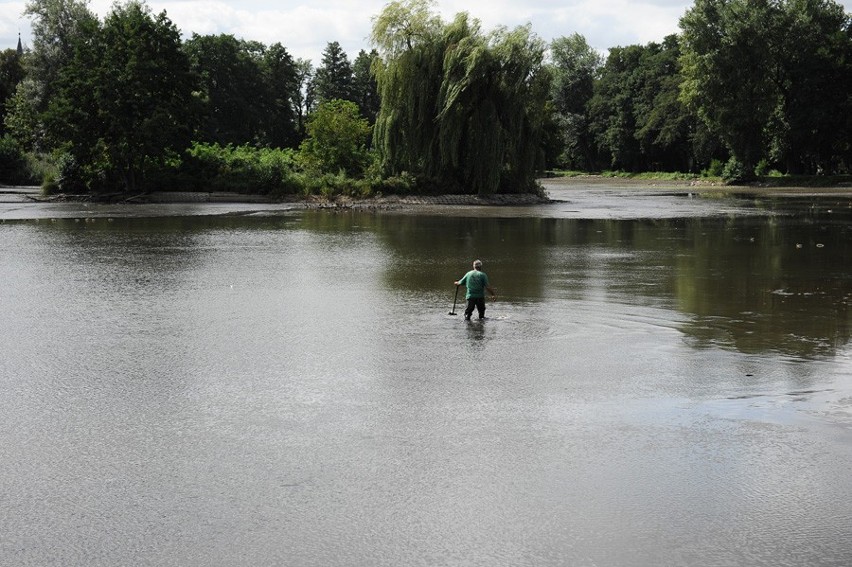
(364, 90)
(772, 76)
(281, 79)
(333, 78)
(231, 78)
(408, 76)
(671, 137)
(814, 80)
(11, 73)
(729, 69)
(124, 99)
(336, 140)
(302, 98)
(613, 111)
(574, 68)
(56, 26)
(457, 105)
(637, 117)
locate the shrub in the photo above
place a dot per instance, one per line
(716, 169)
(43, 167)
(735, 171)
(397, 185)
(762, 168)
(333, 184)
(71, 177)
(49, 185)
(14, 168)
(244, 169)
(337, 139)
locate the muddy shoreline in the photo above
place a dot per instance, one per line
(33, 194)
(686, 186)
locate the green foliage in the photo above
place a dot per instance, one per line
(281, 80)
(404, 26)
(243, 169)
(11, 73)
(815, 79)
(574, 69)
(22, 120)
(274, 172)
(772, 77)
(71, 177)
(715, 169)
(401, 184)
(302, 96)
(14, 168)
(613, 117)
(123, 100)
(458, 105)
(762, 168)
(364, 89)
(454, 108)
(49, 186)
(337, 140)
(42, 166)
(333, 78)
(728, 67)
(636, 116)
(575, 66)
(145, 111)
(57, 25)
(333, 185)
(229, 78)
(247, 91)
(736, 171)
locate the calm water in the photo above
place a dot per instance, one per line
(664, 380)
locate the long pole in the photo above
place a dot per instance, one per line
(453, 312)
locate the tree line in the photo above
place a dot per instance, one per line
(748, 86)
(126, 104)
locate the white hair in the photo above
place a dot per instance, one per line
(477, 264)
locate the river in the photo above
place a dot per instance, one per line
(664, 379)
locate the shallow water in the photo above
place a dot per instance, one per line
(662, 381)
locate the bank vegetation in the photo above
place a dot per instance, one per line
(749, 90)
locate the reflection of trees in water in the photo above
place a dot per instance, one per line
(755, 284)
(744, 280)
(774, 283)
(777, 284)
(429, 252)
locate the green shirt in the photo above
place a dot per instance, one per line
(476, 282)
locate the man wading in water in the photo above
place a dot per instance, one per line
(476, 282)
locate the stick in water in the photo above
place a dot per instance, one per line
(453, 312)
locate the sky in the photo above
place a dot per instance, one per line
(305, 28)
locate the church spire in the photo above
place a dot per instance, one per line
(20, 47)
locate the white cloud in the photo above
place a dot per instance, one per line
(11, 22)
(305, 28)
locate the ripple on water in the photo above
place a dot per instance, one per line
(226, 392)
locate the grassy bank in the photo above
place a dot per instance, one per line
(815, 181)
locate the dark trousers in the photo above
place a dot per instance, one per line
(479, 303)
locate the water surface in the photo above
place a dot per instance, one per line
(662, 381)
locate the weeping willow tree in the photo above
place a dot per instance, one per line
(459, 106)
